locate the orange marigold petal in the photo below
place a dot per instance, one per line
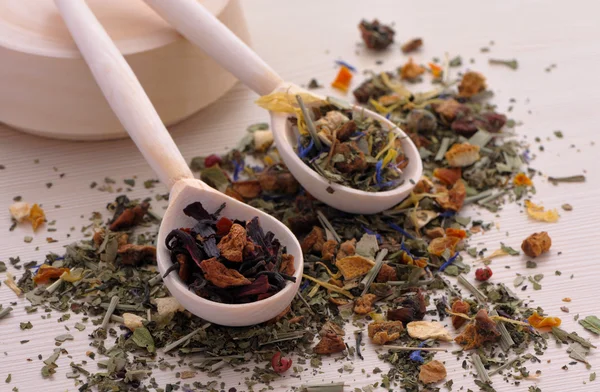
(452, 232)
(537, 321)
(522, 179)
(343, 79)
(47, 272)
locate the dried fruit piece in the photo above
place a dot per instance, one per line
(133, 321)
(454, 198)
(483, 274)
(386, 273)
(449, 109)
(132, 254)
(19, 210)
(233, 244)
(329, 344)
(354, 266)
(287, 264)
(354, 159)
(364, 304)
(459, 306)
(481, 330)
(328, 250)
(432, 372)
(412, 45)
(278, 179)
(247, 189)
(382, 332)
(437, 246)
(537, 321)
(376, 35)
(347, 248)
(471, 84)
(462, 154)
(536, 244)
(221, 276)
(130, 217)
(424, 330)
(447, 176)
(538, 213)
(411, 70)
(314, 240)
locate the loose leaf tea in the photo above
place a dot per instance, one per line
(349, 148)
(227, 261)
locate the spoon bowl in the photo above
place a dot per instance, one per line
(344, 197)
(132, 106)
(186, 192)
(199, 26)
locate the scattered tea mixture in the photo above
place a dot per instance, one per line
(397, 285)
(227, 261)
(347, 148)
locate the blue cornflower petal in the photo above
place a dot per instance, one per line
(400, 230)
(237, 169)
(378, 171)
(345, 64)
(371, 232)
(450, 261)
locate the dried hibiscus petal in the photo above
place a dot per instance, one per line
(223, 226)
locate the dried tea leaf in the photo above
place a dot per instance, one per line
(143, 338)
(591, 323)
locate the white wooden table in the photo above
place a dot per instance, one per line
(302, 40)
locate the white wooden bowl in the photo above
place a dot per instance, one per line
(48, 90)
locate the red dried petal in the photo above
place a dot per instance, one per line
(280, 365)
(223, 226)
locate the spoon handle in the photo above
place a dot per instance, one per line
(124, 92)
(202, 28)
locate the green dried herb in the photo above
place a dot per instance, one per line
(591, 323)
(142, 337)
(512, 64)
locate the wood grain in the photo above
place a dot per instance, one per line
(565, 98)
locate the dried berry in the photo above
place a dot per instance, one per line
(536, 244)
(376, 35)
(280, 365)
(412, 45)
(483, 274)
(386, 273)
(212, 160)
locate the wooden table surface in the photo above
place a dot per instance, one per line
(302, 40)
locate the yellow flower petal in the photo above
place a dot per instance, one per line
(540, 214)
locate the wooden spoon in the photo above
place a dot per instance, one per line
(198, 25)
(135, 111)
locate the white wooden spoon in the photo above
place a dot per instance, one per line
(198, 25)
(135, 111)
